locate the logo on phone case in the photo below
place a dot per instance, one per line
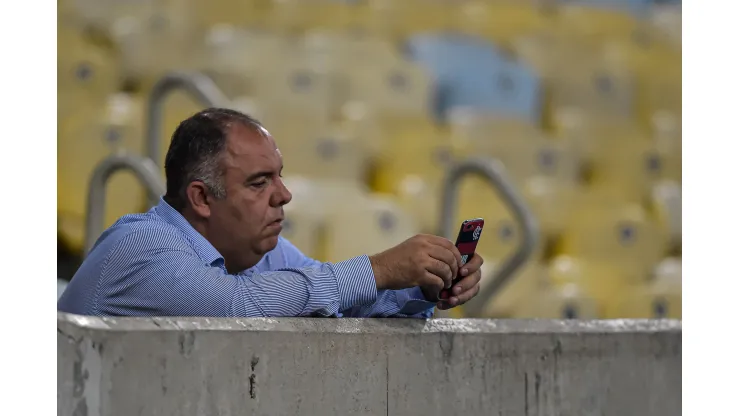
(476, 233)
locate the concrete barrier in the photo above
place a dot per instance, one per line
(161, 366)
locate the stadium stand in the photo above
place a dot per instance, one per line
(372, 100)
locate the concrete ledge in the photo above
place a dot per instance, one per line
(294, 366)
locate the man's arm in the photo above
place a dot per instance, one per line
(405, 303)
(173, 281)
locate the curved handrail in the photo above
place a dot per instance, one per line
(144, 169)
(493, 172)
(198, 85)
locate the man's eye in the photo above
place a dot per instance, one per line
(259, 184)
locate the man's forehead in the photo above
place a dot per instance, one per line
(254, 146)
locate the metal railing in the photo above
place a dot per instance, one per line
(494, 173)
(146, 172)
(198, 85)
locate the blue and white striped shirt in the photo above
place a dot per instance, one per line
(157, 264)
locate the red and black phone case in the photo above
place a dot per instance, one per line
(467, 241)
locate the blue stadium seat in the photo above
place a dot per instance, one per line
(470, 72)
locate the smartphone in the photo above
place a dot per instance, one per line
(467, 241)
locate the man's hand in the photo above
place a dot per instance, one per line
(423, 260)
(464, 290)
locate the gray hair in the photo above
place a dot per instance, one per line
(196, 152)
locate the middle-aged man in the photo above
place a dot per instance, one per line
(211, 247)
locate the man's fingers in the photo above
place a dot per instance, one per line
(447, 257)
(467, 289)
(472, 265)
(467, 294)
(441, 270)
(467, 283)
(447, 244)
(433, 281)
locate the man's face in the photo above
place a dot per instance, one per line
(246, 223)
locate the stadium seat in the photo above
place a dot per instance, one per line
(630, 168)
(601, 22)
(666, 204)
(348, 53)
(304, 216)
(471, 72)
(399, 19)
(299, 16)
(523, 148)
(401, 89)
(87, 73)
(326, 154)
(151, 46)
(599, 91)
(233, 56)
(370, 225)
(87, 138)
(614, 237)
(240, 13)
(522, 286)
(296, 88)
(566, 302)
(409, 146)
(659, 298)
(502, 234)
(502, 21)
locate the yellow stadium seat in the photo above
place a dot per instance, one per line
(551, 200)
(314, 207)
(619, 237)
(409, 147)
(630, 168)
(598, 90)
(298, 16)
(593, 137)
(502, 20)
(525, 150)
(243, 13)
(657, 69)
(372, 225)
(522, 286)
(347, 53)
(566, 302)
(666, 205)
(398, 19)
(87, 138)
(87, 73)
(502, 234)
(294, 87)
(599, 280)
(327, 154)
(153, 46)
(233, 57)
(304, 216)
(401, 89)
(659, 298)
(597, 22)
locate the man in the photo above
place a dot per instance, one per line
(211, 247)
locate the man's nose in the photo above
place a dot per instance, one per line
(282, 195)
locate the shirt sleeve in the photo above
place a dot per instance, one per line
(173, 281)
(406, 303)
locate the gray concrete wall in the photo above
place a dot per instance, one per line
(317, 366)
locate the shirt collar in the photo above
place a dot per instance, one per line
(203, 248)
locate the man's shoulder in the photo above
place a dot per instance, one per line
(141, 232)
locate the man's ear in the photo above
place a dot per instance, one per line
(197, 196)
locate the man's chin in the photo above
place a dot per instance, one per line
(269, 243)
